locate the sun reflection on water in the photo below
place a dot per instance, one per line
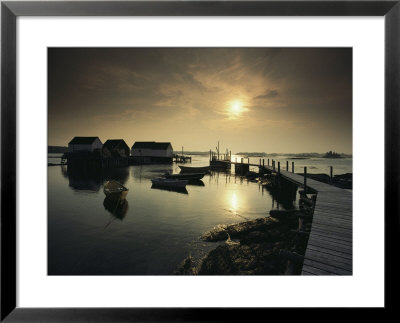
(234, 202)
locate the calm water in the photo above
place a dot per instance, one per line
(155, 229)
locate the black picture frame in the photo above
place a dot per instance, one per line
(10, 10)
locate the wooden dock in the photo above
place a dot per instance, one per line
(182, 158)
(330, 245)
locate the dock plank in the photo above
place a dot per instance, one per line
(328, 267)
(320, 236)
(309, 270)
(331, 252)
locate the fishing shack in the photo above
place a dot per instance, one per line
(115, 153)
(90, 144)
(151, 152)
(115, 148)
(84, 152)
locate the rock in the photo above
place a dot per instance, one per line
(239, 230)
(242, 260)
(258, 250)
(270, 236)
(219, 262)
(186, 267)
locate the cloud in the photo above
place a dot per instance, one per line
(267, 95)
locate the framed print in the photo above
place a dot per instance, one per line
(165, 151)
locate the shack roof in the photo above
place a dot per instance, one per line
(114, 143)
(83, 140)
(151, 145)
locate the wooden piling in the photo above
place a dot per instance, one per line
(287, 165)
(292, 167)
(268, 161)
(305, 180)
(263, 162)
(331, 173)
(279, 168)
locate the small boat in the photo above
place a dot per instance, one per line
(189, 176)
(169, 182)
(114, 190)
(196, 182)
(181, 190)
(187, 169)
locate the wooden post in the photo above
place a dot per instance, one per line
(331, 174)
(263, 162)
(268, 161)
(241, 160)
(260, 161)
(287, 165)
(248, 160)
(279, 168)
(273, 164)
(292, 167)
(305, 180)
(210, 155)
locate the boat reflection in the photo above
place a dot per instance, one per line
(181, 190)
(117, 208)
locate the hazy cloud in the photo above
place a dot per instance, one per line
(186, 95)
(268, 95)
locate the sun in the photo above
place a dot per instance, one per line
(236, 108)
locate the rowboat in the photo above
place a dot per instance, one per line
(181, 190)
(186, 169)
(189, 176)
(169, 182)
(114, 190)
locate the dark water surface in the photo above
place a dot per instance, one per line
(153, 231)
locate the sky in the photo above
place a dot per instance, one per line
(273, 100)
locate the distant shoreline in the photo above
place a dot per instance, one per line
(62, 149)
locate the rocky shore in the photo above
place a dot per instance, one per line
(272, 245)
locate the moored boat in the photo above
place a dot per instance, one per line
(181, 190)
(169, 182)
(114, 190)
(188, 176)
(187, 169)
